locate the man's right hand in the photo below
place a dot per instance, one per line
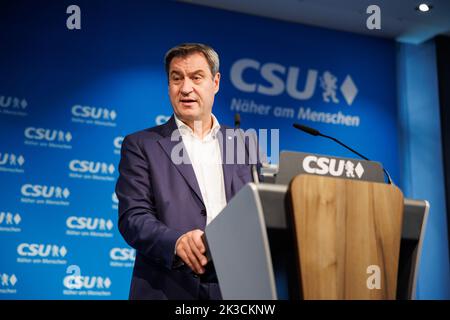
(190, 248)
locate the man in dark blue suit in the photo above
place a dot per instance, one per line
(167, 191)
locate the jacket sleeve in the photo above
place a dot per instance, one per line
(138, 222)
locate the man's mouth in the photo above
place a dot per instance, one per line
(188, 100)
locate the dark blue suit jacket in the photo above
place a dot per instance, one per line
(158, 202)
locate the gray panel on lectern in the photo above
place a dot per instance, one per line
(414, 225)
(273, 197)
(415, 211)
(237, 240)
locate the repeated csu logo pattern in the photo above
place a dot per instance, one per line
(60, 214)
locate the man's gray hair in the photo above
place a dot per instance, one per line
(185, 49)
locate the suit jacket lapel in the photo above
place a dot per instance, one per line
(185, 169)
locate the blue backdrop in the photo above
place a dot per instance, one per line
(67, 98)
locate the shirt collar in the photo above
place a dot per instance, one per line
(185, 129)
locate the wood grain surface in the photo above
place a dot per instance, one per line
(344, 230)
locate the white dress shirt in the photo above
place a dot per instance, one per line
(206, 160)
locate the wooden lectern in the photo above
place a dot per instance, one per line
(318, 238)
(319, 232)
(347, 235)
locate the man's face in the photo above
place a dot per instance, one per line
(192, 87)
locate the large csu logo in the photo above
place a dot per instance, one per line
(274, 79)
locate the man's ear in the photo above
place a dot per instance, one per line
(216, 82)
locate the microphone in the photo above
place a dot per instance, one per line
(253, 169)
(315, 132)
(306, 129)
(237, 120)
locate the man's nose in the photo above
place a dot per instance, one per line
(187, 87)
